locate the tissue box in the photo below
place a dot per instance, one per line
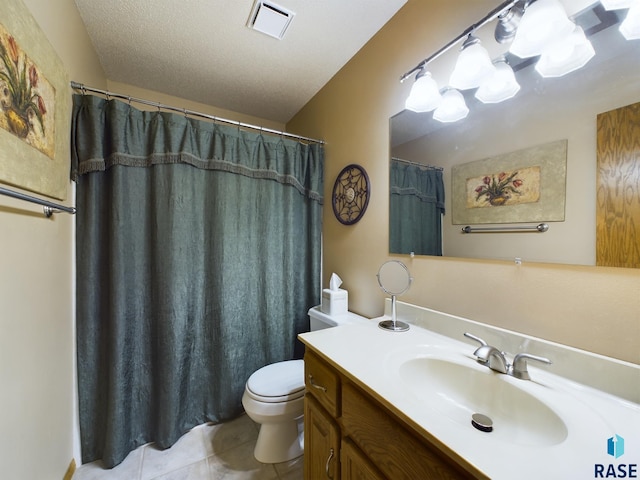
(334, 302)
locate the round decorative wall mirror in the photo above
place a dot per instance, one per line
(394, 279)
(351, 193)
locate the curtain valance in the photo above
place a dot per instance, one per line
(141, 138)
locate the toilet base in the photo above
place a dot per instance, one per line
(280, 442)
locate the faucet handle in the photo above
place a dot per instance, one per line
(477, 339)
(519, 367)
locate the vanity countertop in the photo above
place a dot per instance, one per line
(373, 359)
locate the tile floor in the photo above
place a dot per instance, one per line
(211, 452)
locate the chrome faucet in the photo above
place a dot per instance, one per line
(493, 358)
(489, 356)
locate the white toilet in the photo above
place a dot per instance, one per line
(274, 398)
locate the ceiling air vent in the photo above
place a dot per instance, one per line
(269, 18)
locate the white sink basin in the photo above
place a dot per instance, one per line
(459, 388)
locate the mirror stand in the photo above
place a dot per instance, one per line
(394, 279)
(394, 325)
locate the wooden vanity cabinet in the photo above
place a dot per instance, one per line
(349, 435)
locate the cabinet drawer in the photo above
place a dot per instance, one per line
(323, 383)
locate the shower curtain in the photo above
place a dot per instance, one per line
(416, 206)
(198, 256)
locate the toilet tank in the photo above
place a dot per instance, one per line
(320, 320)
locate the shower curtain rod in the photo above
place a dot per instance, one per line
(83, 89)
(432, 167)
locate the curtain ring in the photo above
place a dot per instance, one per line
(129, 98)
(184, 110)
(83, 90)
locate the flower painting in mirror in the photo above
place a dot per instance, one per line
(523, 186)
(34, 107)
(504, 188)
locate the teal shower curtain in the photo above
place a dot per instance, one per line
(416, 206)
(198, 256)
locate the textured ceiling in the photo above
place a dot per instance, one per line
(202, 50)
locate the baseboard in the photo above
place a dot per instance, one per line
(71, 470)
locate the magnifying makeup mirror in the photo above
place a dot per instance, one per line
(394, 279)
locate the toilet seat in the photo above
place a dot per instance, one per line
(277, 382)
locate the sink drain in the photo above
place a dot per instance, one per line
(482, 422)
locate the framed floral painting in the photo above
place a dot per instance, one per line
(523, 186)
(35, 102)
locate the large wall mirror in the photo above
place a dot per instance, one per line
(544, 110)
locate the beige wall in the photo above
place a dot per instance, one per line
(592, 308)
(37, 405)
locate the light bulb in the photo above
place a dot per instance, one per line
(452, 108)
(566, 55)
(617, 4)
(425, 95)
(630, 26)
(472, 67)
(543, 23)
(500, 86)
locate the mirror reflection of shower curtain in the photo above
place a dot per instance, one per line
(198, 256)
(416, 206)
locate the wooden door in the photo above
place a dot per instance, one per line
(321, 443)
(618, 188)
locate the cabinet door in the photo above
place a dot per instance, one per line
(396, 452)
(355, 465)
(321, 443)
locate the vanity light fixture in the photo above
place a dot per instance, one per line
(472, 67)
(452, 108)
(501, 85)
(537, 28)
(566, 55)
(425, 95)
(423, 98)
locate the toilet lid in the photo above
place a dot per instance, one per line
(277, 382)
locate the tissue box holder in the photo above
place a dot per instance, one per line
(334, 302)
